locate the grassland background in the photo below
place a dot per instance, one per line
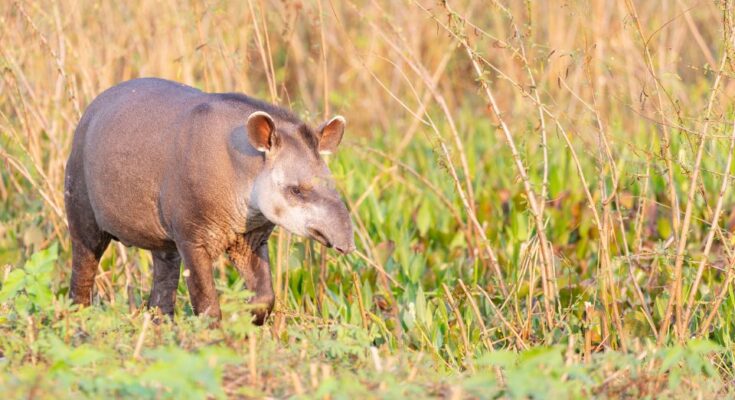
(540, 191)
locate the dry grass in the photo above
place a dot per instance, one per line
(581, 150)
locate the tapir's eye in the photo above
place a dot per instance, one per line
(296, 191)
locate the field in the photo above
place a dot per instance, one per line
(541, 194)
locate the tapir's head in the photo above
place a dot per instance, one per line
(295, 189)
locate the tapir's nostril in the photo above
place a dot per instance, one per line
(346, 249)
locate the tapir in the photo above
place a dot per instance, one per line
(190, 175)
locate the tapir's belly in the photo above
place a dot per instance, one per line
(132, 220)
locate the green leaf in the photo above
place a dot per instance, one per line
(421, 305)
(673, 356)
(703, 346)
(39, 292)
(84, 355)
(423, 218)
(41, 262)
(500, 358)
(12, 285)
(663, 225)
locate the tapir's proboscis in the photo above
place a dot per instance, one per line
(191, 175)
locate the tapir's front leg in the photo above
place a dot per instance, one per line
(250, 257)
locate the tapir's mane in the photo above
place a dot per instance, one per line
(309, 138)
(303, 133)
(275, 111)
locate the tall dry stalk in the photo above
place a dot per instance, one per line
(580, 83)
(677, 286)
(547, 277)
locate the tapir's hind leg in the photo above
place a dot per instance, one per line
(85, 259)
(166, 271)
(88, 243)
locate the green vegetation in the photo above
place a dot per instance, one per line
(512, 182)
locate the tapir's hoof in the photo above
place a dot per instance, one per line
(259, 317)
(159, 317)
(262, 307)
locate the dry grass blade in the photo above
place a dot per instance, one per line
(548, 269)
(710, 239)
(677, 286)
(462, 328)
(528, 182)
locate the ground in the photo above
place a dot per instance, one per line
(541, 195)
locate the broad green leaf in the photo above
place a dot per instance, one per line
(12, 285)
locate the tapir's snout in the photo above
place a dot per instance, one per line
(343, 242)
(335, 230)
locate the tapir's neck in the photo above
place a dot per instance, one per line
(249, 218)
(257, 237)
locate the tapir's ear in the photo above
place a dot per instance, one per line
(261, 131)
(330, 134)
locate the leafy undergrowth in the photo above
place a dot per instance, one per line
(53, 349)
(420, 317)
(610, 147)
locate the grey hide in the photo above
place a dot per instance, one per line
(190, 175)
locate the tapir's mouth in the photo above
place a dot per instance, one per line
(319, 236)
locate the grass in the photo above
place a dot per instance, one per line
(541, 196)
